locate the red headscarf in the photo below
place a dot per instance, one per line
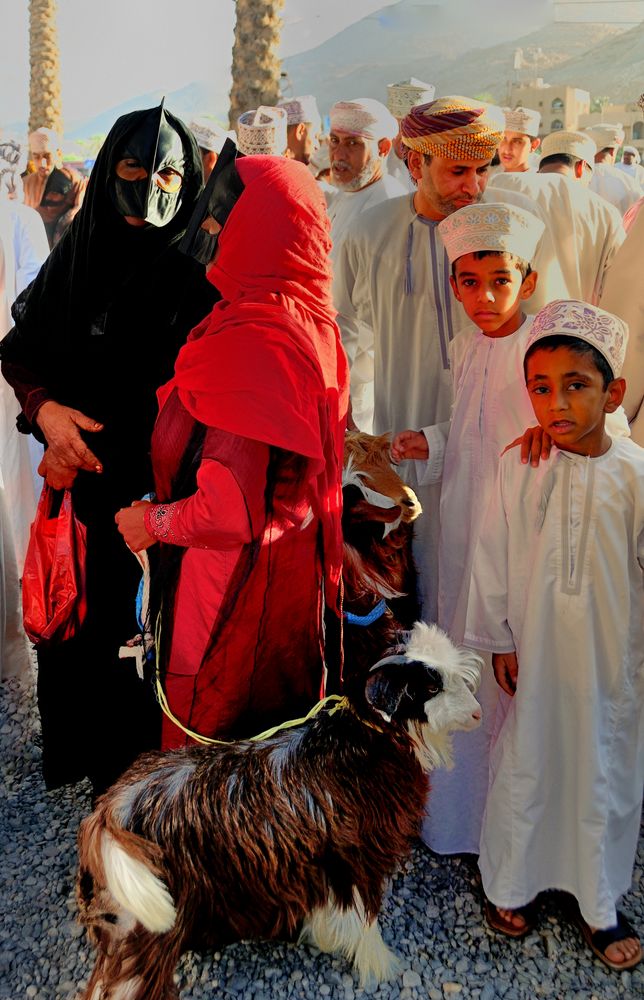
(268, 362)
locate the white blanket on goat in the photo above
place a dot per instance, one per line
(558, 576)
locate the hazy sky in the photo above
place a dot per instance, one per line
(114, 50)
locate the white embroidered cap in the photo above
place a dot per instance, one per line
(577, 144)
(209, 135)
(262, 132)
(605, 135)
(302, 109)
(403, 96)
(43, 140)
(606, 332)
(491, 227)
(523, 120)
(364, 117)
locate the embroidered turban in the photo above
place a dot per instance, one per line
(577, 144)
(606, 332)
(605, 135)
(44, 140)
(456, 128)
(403, 96)
(262, 132)
(490, 226)
(523, 120)
(301, 109)
(209, 135)
(364, 117)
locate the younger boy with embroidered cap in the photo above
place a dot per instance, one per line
(490, 247)
(557, 597)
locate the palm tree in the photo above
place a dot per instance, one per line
(256, 66)
(44, 82)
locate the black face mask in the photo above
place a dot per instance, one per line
(217, 200)
(57, 183)
(157, 147)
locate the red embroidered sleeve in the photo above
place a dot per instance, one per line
(159, 522)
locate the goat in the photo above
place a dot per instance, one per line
(378, 573)
(296, 834)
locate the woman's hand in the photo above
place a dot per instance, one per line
(61, 426)
(56, 475)
(131, 523)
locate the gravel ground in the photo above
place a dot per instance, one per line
(431, 917)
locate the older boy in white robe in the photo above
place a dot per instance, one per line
(557, 597)
(490, 247)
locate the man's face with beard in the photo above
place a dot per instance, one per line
(355, 161)
(446, 185)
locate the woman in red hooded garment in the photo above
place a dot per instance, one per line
(247, 454)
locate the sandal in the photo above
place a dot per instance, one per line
(598, 941)
(505, 926)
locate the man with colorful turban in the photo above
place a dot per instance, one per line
(391, 277)
(360, 139)
(586, 229)
(303, 125)
(612, 184)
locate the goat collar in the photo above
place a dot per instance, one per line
(369, 619)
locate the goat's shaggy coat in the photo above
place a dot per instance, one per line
(295, 834)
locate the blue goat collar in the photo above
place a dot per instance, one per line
(369, 619)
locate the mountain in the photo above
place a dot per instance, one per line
(615, 67)
(459, 49)
(408, 39)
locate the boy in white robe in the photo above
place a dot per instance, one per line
(557, 597)
(490, 247)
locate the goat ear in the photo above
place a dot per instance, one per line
(385, 689)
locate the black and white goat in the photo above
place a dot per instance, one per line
(292, 836)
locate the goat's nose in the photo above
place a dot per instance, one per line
(408, 503)
(477, 714)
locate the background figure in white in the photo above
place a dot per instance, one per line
(586, 229)
(520, 140)
(360, 138)
(401, 98)
(25, 248)
(614, 185)
(13, 643)
(631, 164)
(623, 295)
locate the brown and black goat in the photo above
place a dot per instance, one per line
(296, 834)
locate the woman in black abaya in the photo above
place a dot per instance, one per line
(95, 334)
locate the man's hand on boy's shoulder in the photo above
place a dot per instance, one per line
(535, 445)
(409, 445)
(506, 671)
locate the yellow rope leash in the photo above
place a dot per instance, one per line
(342, 702)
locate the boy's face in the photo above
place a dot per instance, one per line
(492, 290)
(515, 149)
(569, 400)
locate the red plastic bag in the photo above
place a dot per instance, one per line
(54, 602)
